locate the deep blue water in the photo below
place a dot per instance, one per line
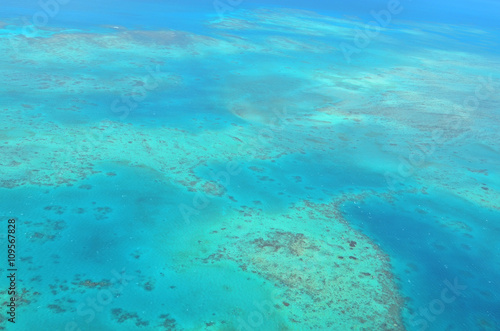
(187, 14)
(428, 248)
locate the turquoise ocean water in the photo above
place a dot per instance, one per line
(249, 165)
